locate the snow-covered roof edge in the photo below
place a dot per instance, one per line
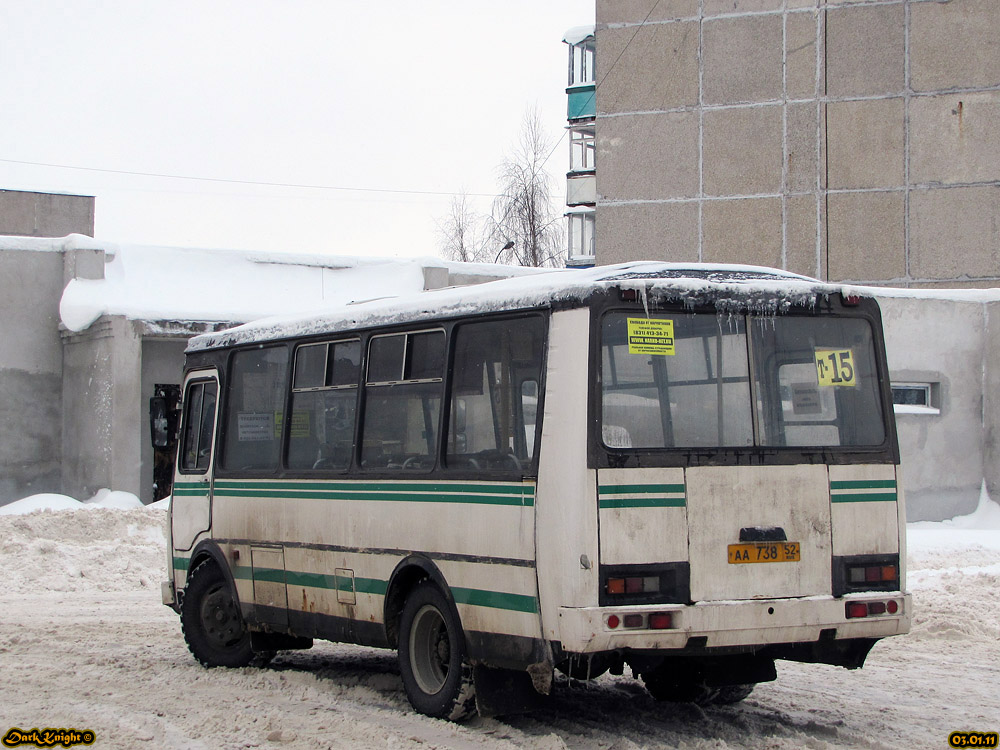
(578, 33)
(746, 287)
(55, 244)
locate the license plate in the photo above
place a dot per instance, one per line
(764, 552)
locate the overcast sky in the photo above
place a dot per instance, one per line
(409, 96)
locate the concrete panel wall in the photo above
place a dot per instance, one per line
(872, 126)
(30, 373)
(102, 431)
(45, 214)
(944, 456)
(88, 398)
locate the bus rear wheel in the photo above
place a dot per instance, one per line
(212, 624)
(436, 677)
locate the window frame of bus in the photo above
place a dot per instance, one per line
(361, 420)
(192, 382)
(602, 456)
(328, 387)
(528, 469)
(223, 446)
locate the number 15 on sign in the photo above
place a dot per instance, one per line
(835, 367)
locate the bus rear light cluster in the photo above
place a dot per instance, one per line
(855, 610)
(636, 621)
(634, 585)
(857, 574)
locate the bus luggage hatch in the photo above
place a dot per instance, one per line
(269, 593)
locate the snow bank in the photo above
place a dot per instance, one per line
(55, 502)
(114, 499)
(102, 549)
(45, 501)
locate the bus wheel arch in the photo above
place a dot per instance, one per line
(407, 575)
(211, 621)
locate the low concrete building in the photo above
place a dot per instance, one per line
(90, 331)
(29, 214)
(944, 355)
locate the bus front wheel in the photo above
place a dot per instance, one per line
(212, 624)
(436, 677)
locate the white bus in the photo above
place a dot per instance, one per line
(692, 471)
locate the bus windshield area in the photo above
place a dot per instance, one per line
(691, 380)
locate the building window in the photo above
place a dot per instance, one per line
(581, 149)
(581, 236)
(581, 62)
(914, 398)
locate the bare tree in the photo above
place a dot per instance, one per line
(524, 222)
(463, 236)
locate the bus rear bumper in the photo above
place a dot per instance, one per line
(734, 624)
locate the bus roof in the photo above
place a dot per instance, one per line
(729, 287)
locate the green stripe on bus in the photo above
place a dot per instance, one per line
(477, 494)
(864, 484)
(637, 489)
(641, 502)
(277, 493)
(378, 587)
(484, 489)
(181, 563)
(864, 497)
(495, 599)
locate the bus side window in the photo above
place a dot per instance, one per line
(256, 398)
(199, 426)
(403, 401)
(494, 395)
(324, 401)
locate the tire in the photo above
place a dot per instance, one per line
(733, 694)
(436, 677)
(664, 685)
(212, 624)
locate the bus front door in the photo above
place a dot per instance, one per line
(191, 505)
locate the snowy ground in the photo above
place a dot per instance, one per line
(85, 643)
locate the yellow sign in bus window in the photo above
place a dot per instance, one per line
(650, 336)
(835, 367)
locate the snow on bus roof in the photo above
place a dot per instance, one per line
(730, 286)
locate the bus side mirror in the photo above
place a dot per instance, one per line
(159, 422)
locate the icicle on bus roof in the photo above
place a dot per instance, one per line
(730, 288)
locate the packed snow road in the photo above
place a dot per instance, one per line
(85, 644)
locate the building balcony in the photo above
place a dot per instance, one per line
(582, 101)
(581, 189)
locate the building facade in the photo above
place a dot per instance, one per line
(581, 179)
(848, 140)
(90, 332)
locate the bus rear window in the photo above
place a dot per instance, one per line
(675, 381)
(816, 381)
(684, 381)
